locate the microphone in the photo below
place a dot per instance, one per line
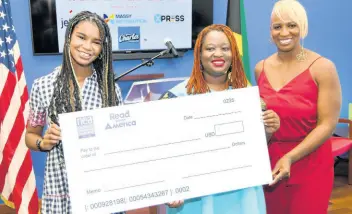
(170, 46)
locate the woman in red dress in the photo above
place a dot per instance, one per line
(304, 89)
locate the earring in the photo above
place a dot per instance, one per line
(229, 76)
(100, 56)
(302, 56)
(229, 72)
(201, 67)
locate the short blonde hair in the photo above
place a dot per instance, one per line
(295, 11)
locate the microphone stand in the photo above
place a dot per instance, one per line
(145, 62)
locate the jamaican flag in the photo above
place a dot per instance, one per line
(236, 20)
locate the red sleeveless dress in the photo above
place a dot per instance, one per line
(309, 187)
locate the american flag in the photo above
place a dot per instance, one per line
(17, 180)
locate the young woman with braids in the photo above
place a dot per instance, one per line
(217, 67)
(84, 81)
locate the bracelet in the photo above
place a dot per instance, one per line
(38, 142)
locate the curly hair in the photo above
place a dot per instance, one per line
(66, 96)
(237, 77)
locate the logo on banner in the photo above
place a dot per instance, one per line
(109, 18)
(122, 19)
(129, 38)
(64, 22)
(158, 18)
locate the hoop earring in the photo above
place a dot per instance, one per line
(100, 56)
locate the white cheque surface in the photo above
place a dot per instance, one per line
(139, 155)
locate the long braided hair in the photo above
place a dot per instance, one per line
(237, 77)
(66, 96)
